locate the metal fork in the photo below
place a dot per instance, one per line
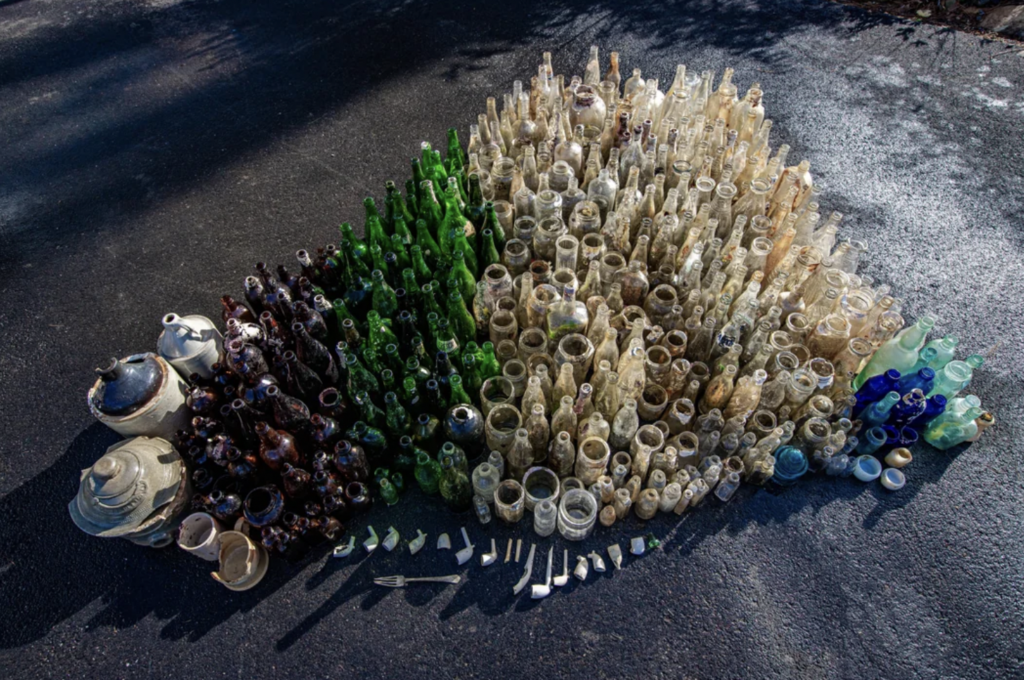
(401, 581)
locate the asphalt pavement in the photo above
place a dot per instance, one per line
(152, 151)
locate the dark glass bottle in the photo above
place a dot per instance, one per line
(397, 419)
(276, 447)
(433, 402)
(427, 473)
(350, 460)
(289, 413)
(370, 412)
(373, 441)
(455, 487)
(310, 319)
(406, 455)
(333, 405)
(314, 354)
(299, 378)
(326, 431)
(427, 431)
(874, 389)
(298, 483)
(233, 309)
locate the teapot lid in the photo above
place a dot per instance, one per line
(132, 480)
(127, 385)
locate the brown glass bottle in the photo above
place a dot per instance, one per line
(350, 460)
(276, 447)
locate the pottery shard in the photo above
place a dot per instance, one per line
(1007, 19)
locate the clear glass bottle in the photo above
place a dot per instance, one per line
(899, 353)
(545, 518)
(562, 455)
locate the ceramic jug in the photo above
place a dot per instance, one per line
(135, 491)
(140, 396)
(192, 344)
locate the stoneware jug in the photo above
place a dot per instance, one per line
(135, 491)
(199, 534)
(192, 344)
(140, 396)
(243, 563)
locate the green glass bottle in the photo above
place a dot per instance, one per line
(431, 209)
(411, 396)
(354, 264)
(368, 411)
(430, 291)
(489, 366)
(455, 157)
(393, 358)
(388, 380)
(388, 492)
(361, 249)
(447, 341)
(400, 251)
(899, 352)
(430, 250)
(471, 378)
(342, 312)
(491, 222)
(460, 199)
(384, 300)
(379, 263)
(427, 473)
(411, 202)
(419, 265)
(454, 453)
(407, 454)
(397, 418)
(379, 331)
(465, 280)
(374, 230)
(412, 288)
(458, 391)
(475, 205)
(418, 177)
(455, 487)
(459, 318)
(488, 250)
(359, 378)
(417, 371)
(390, 189)
(372, 439)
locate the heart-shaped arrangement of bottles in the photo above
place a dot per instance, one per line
(618, 296)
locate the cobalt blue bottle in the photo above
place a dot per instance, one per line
(908, 408)
(923, 379)
(874, 389)
(932, 410)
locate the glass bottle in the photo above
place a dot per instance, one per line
(625, 423)
(746, 396)
(719, 390)
(455, 486)
(520, 454)
(539, 432)
(562, 455)
(567, 316)
(565, 418)
(899, 353)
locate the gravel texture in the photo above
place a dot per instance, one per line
(153, 151)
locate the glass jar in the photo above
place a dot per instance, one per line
(657, 365)
(549, 230)
(500, 428)
(501, 178)
(514, 371)
(830, 337)
(652, 403)
(499, 283)
(801, 386)
(813, 435)
(592, 249)
(824, 371)
(592, 459)
(503, 326)
(510, 501)
(505, 351)
(577, 514)
(525, 228)
(798, 326)
(567, 250)
(541, 299)
(516, 256)
(576, 350)
(532, 341)
(545, 518)
(540, 483)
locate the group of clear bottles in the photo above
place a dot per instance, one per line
(665, 270)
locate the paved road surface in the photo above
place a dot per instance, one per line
(151, 152)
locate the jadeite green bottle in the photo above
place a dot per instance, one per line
(427, 473)
(455, 486)
(459, 318)
(396, 418)
(899, 353)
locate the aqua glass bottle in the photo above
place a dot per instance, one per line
(899, 353)
(924, 357)
(956, 425)
(945, 350)
(951, 378)
(922, 380)
(878, 413)
(872, 440)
